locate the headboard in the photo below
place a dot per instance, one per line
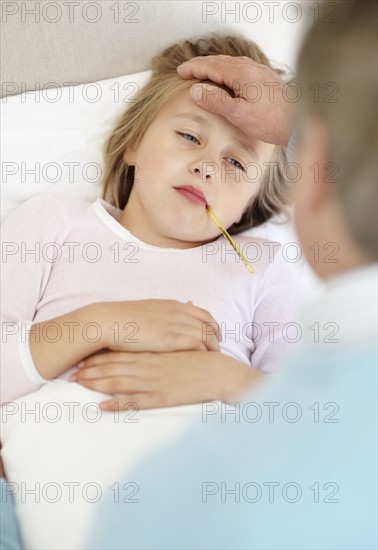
(52, 43)
(56, 43)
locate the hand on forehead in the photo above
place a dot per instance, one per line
(258, 107)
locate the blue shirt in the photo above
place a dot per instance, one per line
(292, 466)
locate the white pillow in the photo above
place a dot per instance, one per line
(54, 138)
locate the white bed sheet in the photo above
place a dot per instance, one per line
(69, 455)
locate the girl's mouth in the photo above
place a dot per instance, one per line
(193, 194)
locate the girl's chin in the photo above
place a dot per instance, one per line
(191, 239)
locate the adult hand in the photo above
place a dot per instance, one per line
(259, 109)
(153, 380)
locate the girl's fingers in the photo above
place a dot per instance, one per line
(106, 370)
(117, 384)
(188, 342)
(206, 318)
(124, 357)
(190, 336)
(206, 334)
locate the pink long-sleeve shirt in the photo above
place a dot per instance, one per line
(61, 253)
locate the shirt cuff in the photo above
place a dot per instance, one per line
(26, 357)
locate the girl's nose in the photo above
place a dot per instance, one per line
(206, 170)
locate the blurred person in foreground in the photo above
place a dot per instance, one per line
(293, 464)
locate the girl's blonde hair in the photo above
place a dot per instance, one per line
(163, 86)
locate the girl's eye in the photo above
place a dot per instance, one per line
(236, 163)
(189, 137)
(193, 139)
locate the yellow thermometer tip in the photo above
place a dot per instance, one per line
(223, 230)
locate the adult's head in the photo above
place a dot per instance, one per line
(336, 198)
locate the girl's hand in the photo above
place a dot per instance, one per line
(153, 380)
(157, 325)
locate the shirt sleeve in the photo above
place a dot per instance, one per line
(25, 272)
(276, 327)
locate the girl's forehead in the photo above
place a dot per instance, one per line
(182, 107)
(179, 101)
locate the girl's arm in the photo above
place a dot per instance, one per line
(60, 342)
(168, 379)
(152, 380)
(52, 356)
(25, 274)
(157, 326)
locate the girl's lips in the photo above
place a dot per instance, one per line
(191, 196)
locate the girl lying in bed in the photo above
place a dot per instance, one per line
(140, 295)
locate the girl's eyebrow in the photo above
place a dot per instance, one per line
(195, 117)
(244, 145)
(201, 120)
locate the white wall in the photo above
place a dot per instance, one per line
(276, 26)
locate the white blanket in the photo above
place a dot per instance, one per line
(63, 456)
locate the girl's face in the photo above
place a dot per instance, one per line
(188, 158)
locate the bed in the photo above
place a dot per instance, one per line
(68, 70)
